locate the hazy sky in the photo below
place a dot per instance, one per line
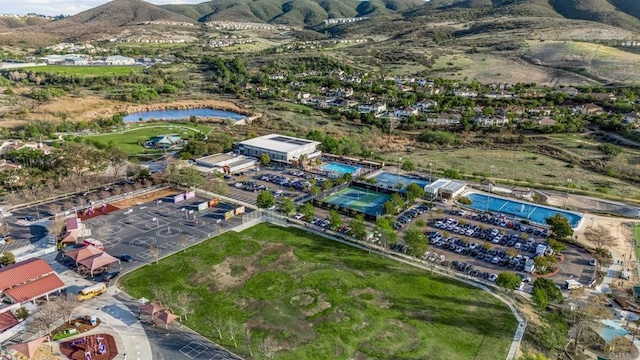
(67, 7)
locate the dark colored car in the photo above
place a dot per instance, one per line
(111, 275)
(125, 258)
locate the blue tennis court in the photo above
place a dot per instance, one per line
(362, 200)
(341, 168)
(390, 181)
(534, 212)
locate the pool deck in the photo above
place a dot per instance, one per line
(514, 216)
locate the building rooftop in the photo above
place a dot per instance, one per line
(7, 321)
(215, 159)
(279, 143)
(453, 185)
(22, 272)
(35, 289)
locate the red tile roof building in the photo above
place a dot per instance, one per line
(28, 280)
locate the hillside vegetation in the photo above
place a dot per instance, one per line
(298, 12)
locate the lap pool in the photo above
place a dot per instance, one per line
(341, 169)
(524, 210)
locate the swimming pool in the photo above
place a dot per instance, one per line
(390, 180)
(612, 330)
(341, 168)
(533, 212)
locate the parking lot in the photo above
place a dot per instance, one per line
(481, 245)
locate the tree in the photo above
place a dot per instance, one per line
(327, 184)
(56, 226)
(288, 206)
(308, 211)
(388, 208)
(314, 190)
(233, 330)
(589, 316)
(264, 159)
(508, 280)
(183, 303)
(414, 238)
(600, 237)
(408, 165)
(217, 326)
(388, 236)
(413, 192)
(557, 246)
(22, 313)
(545, 290)
(544, 262)
(533, 356)
(247, 338)
(155, 252)
(357, 227)
(335, 221)
(45, 317)
(559, 226)
(117, 159)
(465, 200)
(66, 304)
(7, 259)
(265, 199)
(183, 240)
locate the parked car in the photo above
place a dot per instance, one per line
(125, 258)
(111, 275)
(492, 277)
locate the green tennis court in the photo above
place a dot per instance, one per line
(362, 200)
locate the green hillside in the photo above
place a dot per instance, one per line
(293, 12)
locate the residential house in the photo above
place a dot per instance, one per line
(424, 105)
(632, 118)
(10, 145)
(544, 121)
(280, 75)
(589, 109)
(303, 96)
(511, 109)
(465, 93)
(341, 93)
(406, 112)
(541, 110)
(405, 88)
(533, 94)
(352, 79)
(488, 121)
(372, 108)
(487, 185)
(499, 95)
(444, 119)
(604, 96)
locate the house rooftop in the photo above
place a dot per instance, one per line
(23, 272)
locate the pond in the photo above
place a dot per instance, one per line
(181, 114)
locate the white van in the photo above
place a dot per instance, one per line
(572, 284)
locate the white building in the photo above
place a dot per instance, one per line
(465, 93)
(445, 188)
(119, 60)
(372, 108)
(224, 163)
(280, 148)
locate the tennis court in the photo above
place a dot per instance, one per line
(390, 181)
(362, 200)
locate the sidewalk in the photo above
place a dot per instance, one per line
(116, 318)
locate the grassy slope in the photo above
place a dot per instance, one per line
(128, 140)
(297, 12)
(378, 308)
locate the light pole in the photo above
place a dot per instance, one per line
(399, 164)
(430, 172)
(566, 202)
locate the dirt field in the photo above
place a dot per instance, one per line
(141, 199)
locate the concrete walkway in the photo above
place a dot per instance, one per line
(116, 318)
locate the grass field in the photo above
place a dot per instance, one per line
(519, 166)
(636, 232)
(86, 70)
(128, 139)
(322, 300)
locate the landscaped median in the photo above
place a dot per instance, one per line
(313, 298)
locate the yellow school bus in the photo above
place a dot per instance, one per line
(90, 291)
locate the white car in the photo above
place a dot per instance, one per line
(299, 216)
(493, 277)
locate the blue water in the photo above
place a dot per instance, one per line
(611, 330)
(341, 168)
(389, 180)
(182, 114)
(535, 213)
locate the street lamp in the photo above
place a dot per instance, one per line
(399, 164)
(566, 203)
(430, 172)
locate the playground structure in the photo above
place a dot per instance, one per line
(91, 347)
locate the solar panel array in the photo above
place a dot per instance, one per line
(289, 140)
